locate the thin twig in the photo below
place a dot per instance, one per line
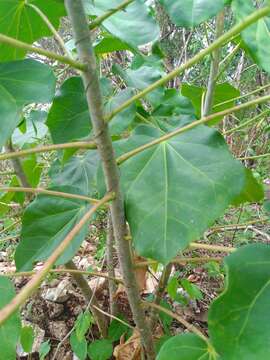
(99, 20)
(114, 317)
(49, 54)
(48, 192)
(177, 317)
(54, 147)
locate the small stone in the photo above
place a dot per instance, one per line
(58, 329)
(60, 294)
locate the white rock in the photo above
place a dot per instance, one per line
(60, 294)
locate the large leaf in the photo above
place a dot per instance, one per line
(78, 171)
(223, 94)
(195, 179)
(252, 192)
(257, 36)
(21, 21)
(68, 118)
(10, 330)
(134, 25)
(22, 82)
(239, 320)
(45, 224)
(184, 347)
(190, 13)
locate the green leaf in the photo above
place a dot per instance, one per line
(243, 309)
(190, 13)
(82, 324)
(45, 224)
(173, 103)
(21, 83)
(252, 192)
(69, 108)
(134, 25)
(10, 330)
(35, 129)
(193, 290)
(110, 44)
(79, 171)
(32, 169)
(116, 330)
(18, 20)
(185, 347)
(223, 93)
(144, 76)
(100, 350)
(196, 178)
(257, 36)
(79, 347)
(27, 338)
(44, 349)
(124, 119)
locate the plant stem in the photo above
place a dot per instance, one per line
(86, 54)
(215, 45)
(192, 125)
(37, 279)
(54, 147)
(110, 266)
(177, 317)
(212, 247)
(49, 54)
(90, 298)
(48, 192)
(209, 97)
(66, 271)
(160, 292)
(99, 20)
(18, 167)
(181, 261)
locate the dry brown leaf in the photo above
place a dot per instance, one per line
(129, 350)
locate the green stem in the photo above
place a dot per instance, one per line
(54, 147)
(37, 279)
(192, 125)
(226, 61)
(209, 97)
(49, 54)
(99, 20)
(48, 192)
(66, 271)
(215, 45)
